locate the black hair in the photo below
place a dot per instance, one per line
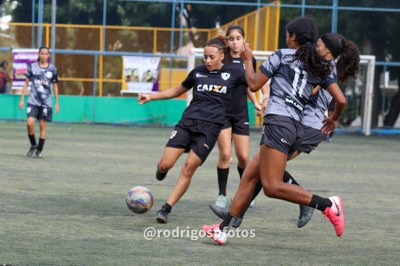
(41, 48)
(228, 31)
(218, 42)
(306, 34)
(3, 63)
(346, 53)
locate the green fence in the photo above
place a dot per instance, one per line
(114, 110)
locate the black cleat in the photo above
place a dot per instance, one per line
(162, 216)
(160, 176)
(223, 212)
(38, 154)
(306, 213)
(31, 151)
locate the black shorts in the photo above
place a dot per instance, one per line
(281, 133)
(239, 125)
(40, 112)
(199, 136)
(312, 137)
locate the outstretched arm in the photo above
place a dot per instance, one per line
(167, 94)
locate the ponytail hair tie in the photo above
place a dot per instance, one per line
(308, 43)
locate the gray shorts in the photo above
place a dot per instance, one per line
(281, 133)
(311, 139)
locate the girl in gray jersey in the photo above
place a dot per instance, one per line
(41, 75)
(333, 47)
(294, 73)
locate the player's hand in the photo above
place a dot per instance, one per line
(21, 105)
(143, 98)
(259, 111)
(57, 108)
(315, 90)
(246, 53)
(328, 125)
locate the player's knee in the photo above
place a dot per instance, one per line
(243, 159)
(164, 166)
(190, 168)
(270, 191)
(224, 158)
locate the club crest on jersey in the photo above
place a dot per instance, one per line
(225, 76)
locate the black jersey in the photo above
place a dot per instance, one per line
(236, 102)
(209, 90)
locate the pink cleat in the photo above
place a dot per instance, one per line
(335, 214)
(215, 233)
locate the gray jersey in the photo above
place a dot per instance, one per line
(316, 111)
(291, 85)
(41, 80)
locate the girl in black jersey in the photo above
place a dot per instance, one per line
(236, 127)
(294, 73)
(202, 121)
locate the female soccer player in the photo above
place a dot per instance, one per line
(331, 46)
(202, 121)
(294, 72)
(236, 127)
(41, 74)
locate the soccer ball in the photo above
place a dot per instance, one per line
(139, 199)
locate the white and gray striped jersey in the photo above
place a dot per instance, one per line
(291, 84)
(317, 110)
(41, 80)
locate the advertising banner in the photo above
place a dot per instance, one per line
(21, 59)
(140, 74)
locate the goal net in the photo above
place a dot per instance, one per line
(359, 93)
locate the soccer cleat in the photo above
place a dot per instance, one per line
(223, 212)
(38, 154)
(335, 214)
(306, 213)
(252, 203)
(222, 201)
(160, 176)
(162, 216)
(31, 151)
(215, 233)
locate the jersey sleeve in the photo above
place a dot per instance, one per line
(269, 67)
(189, 82)
(54, 79)
(28, 72)
(328, 80)
(254, 64)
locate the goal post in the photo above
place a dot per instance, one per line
(359, 93)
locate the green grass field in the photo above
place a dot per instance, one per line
(69, 207)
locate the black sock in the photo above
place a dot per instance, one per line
(167, 208)
(320, 203)
(240, 170)
(227, 222)
(222, 180)
(256, 191)
(41, 144)
(287, 178)
(32, 140)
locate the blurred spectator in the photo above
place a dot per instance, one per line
(5, 79)
(391, 117)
